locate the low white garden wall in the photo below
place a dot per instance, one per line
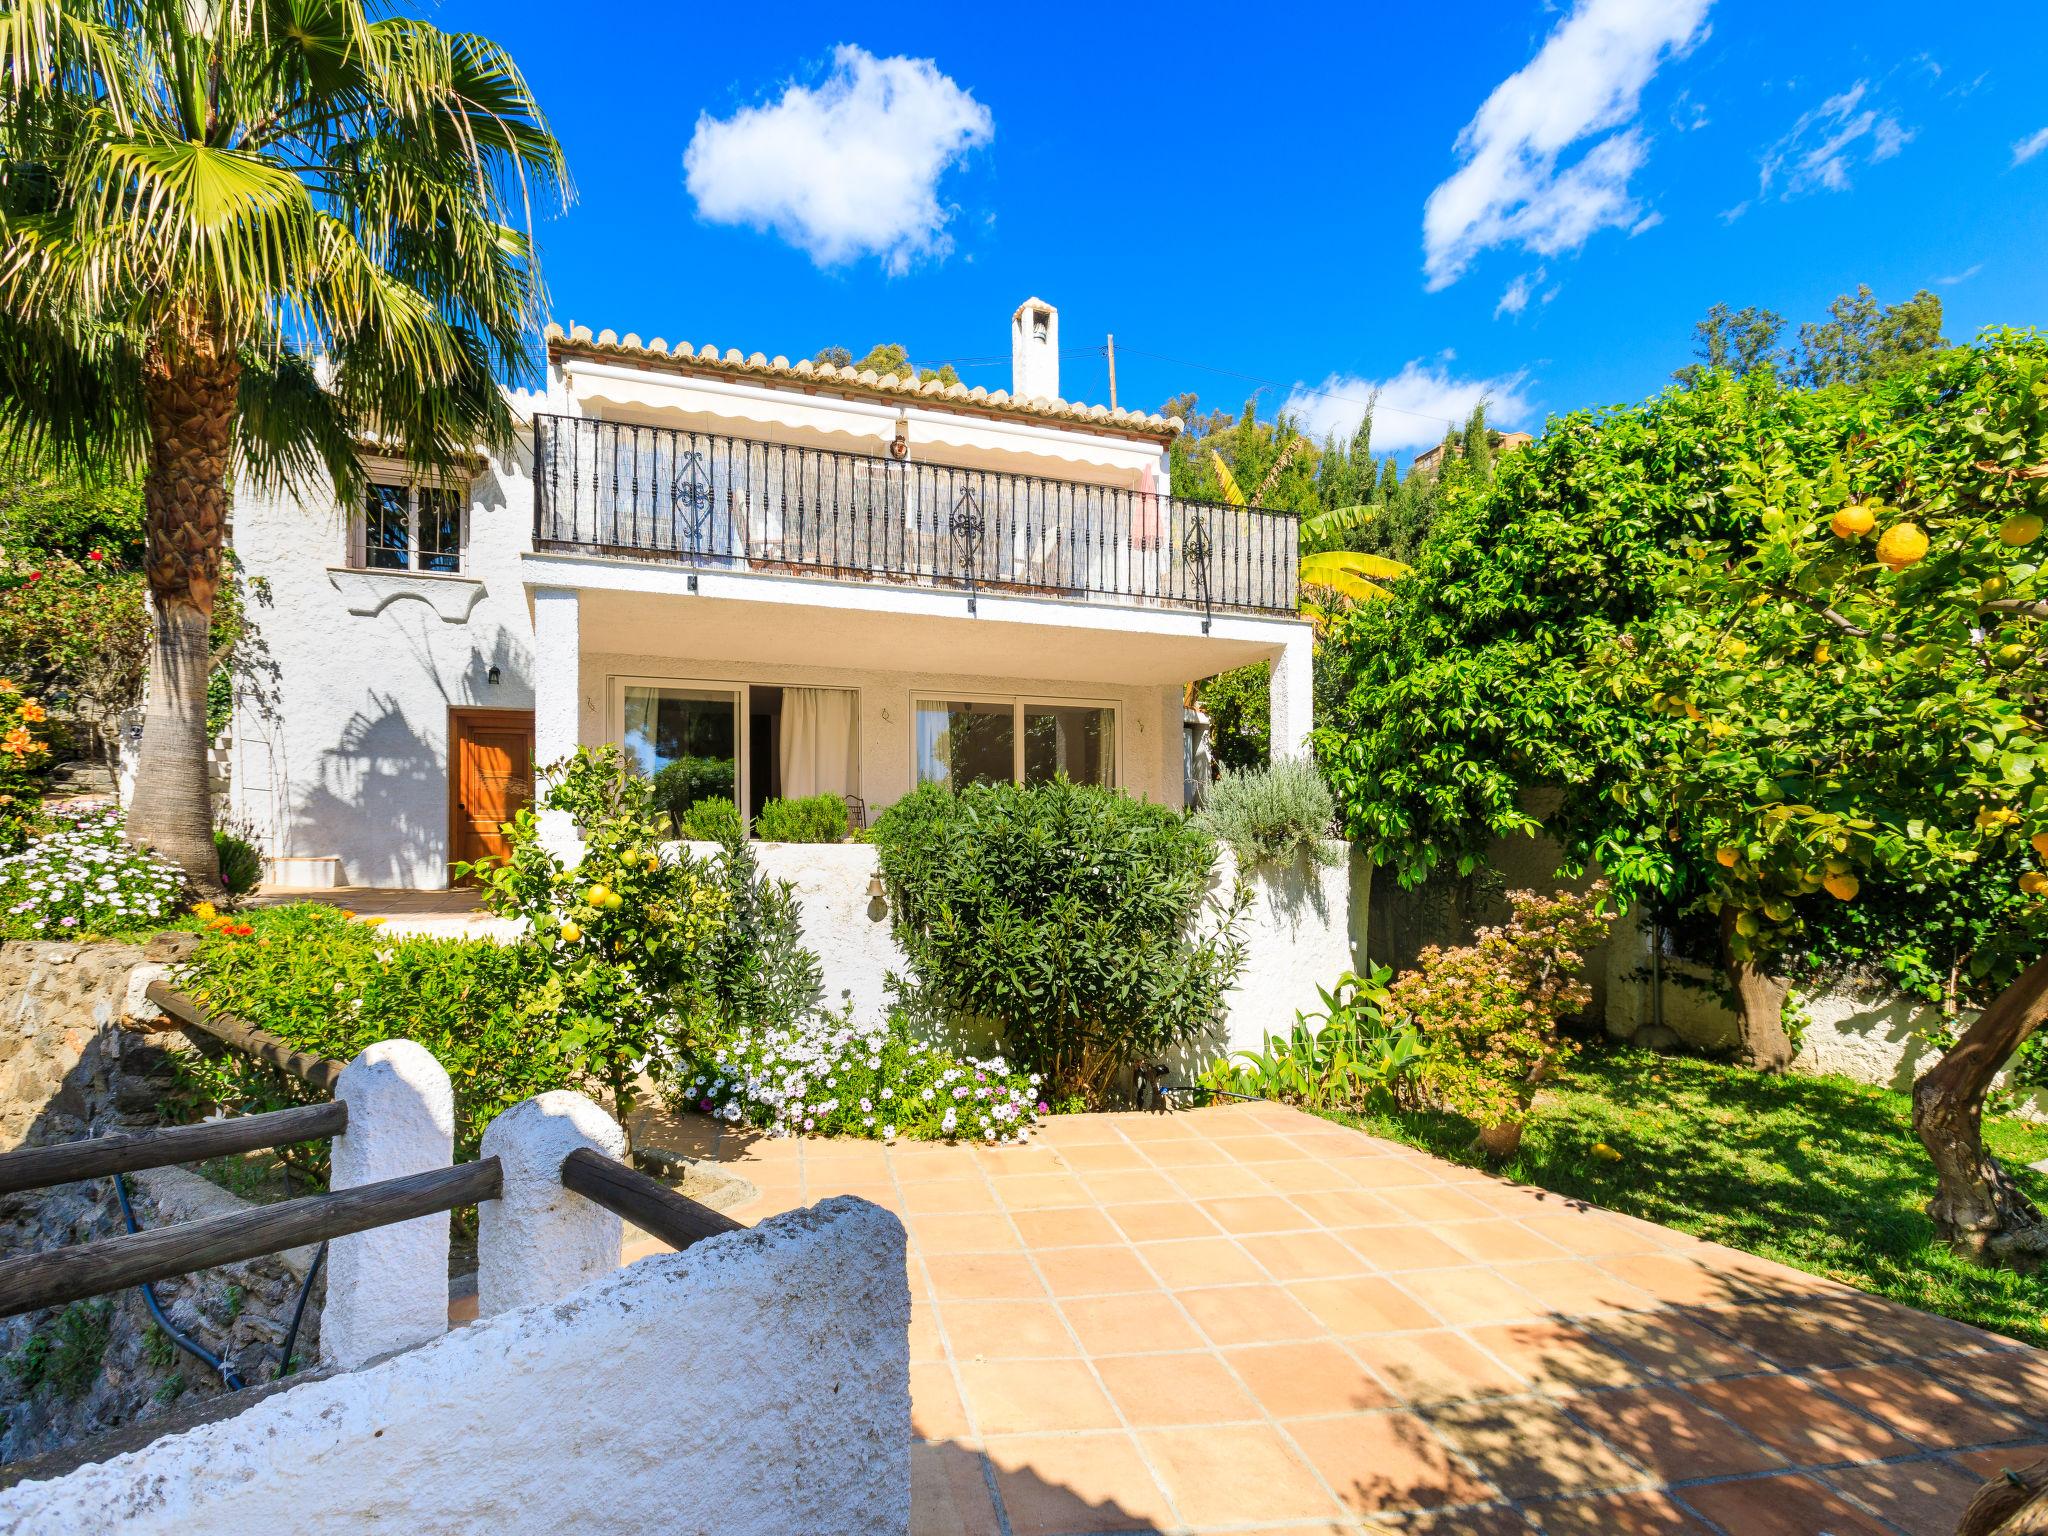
(684, 1394)
(1305, 928)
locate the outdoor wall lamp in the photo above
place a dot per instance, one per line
(492, 677)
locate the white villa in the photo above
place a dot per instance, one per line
(804, 578)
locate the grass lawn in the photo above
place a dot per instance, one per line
(1819, 1173)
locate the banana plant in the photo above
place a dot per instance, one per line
(1350, 574)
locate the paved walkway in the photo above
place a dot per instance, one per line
(1249, 1319)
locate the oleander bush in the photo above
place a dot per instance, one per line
(823, 1074)
(79, 875)
(1272, 814)
(1073, 921)
(757, 970)
(812, 819)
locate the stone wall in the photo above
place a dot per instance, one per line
(68, 1069)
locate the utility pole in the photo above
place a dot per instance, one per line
(1112, 370)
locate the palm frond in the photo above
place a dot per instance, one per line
(1224, 478)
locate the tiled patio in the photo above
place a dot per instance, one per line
(1249, 1319)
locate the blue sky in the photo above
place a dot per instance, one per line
(1527, 201)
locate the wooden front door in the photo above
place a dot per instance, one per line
(493, 778)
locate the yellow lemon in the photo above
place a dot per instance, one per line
(1727, 856)
(1903, 544)
(571, 932)
(596, 895)
(1992, 588)
(2021, 528)
(1842, 887)
(612, 901)
(2011, 656)
(1853, 521)
(1606, 1153)
(2033, 882)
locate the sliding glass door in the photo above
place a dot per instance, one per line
(687, 735)
(957, 742)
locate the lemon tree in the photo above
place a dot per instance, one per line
(1859, 690)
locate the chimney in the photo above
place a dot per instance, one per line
(1035, 351)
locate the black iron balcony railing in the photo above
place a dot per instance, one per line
(737, 504)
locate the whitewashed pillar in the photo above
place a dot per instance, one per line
(538, 1241)
(557, 700)
(387, 1288)
(1291, 694)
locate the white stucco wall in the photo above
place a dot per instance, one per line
(756, 1384)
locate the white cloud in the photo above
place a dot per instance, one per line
(2030, 146)
(1586, 79)
(1518, 294)
(1411, 410)
(847, 169)
(1960, 277)
(1645, 224)
(1817, 154)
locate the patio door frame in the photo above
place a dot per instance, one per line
(742, 766)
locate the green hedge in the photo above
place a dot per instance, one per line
(813, 819)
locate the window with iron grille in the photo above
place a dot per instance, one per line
(410, 528)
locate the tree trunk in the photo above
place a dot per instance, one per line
(2012, 1504)
(189, 385)
(1759, 1005)
(1977, 1209)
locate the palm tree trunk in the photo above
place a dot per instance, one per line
(1977, 1208)
(189, 386)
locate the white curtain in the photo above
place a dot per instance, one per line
(820, 745)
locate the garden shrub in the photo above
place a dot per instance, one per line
(757, 970)
(716, 820)
(241, 866)
(689, 780)
(82, 876)
(813, 819)
(1074, 920)
(623, 933)
(823, 1074)
(1489, 1011)
(24, 753)
(330, 984)
(1272, 814)
(1351, 1055)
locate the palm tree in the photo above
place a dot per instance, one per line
(1349, 573)
(253, 237)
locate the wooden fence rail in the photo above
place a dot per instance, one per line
(649, 1204)
(319, 1072)
(35, 1167)
(91, 1269)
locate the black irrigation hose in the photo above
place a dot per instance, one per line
(291, 1337)
(228, 1375)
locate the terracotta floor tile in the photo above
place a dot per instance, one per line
(1436, 1367)
(1589, 1233)
(1268, 1148)
(935, 1411)
(948, 1197)
(1790, 1336)
(1130, 1188)
(1386, 1461)
(1362, 1304)
(1905, 1330)
(1402, 1247)
(1388, 1174)
(827, 1187)
(1005, 1330)
(1063, 1131)
(1670, 1345)
(1234, 1475)
(1255, 1213)
(1162, 1391)
(1670, 1434)
(1436, 1204)
(1471, 1295)
(1249, 1314)
(1303, 1380)
(2015, 1379)
(1040, 1191)
(999, 1161)
(1986, 1465)
(864, 1161)
(1348, 1208)
(1117, 1156)
(1925, 1498)
(1202, 1261)
(1094, 1271)
(1141, 1322)
(1224, 1181)
(1303, 1176)
(1790, 1416)
(1302, 1255)
(1674, 1279)
(1783, 1506)
(1578, 1287)
(1189, 1152)
(1500, 1241)
(983, 1277)
(1555, 1354)
(1918, 1406)
(949, 1493)
(1060, 1483)
(925, 1345)
(1023, 1397)
(1530, 1446)
(1160, 1220)
(1079, 1227)
(962, 1234)
(1470, 1520)
(1613, 1514)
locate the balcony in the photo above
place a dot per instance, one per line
(733, 503)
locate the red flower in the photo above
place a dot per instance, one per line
(35, 575)
(95, 555)
(243, 930)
